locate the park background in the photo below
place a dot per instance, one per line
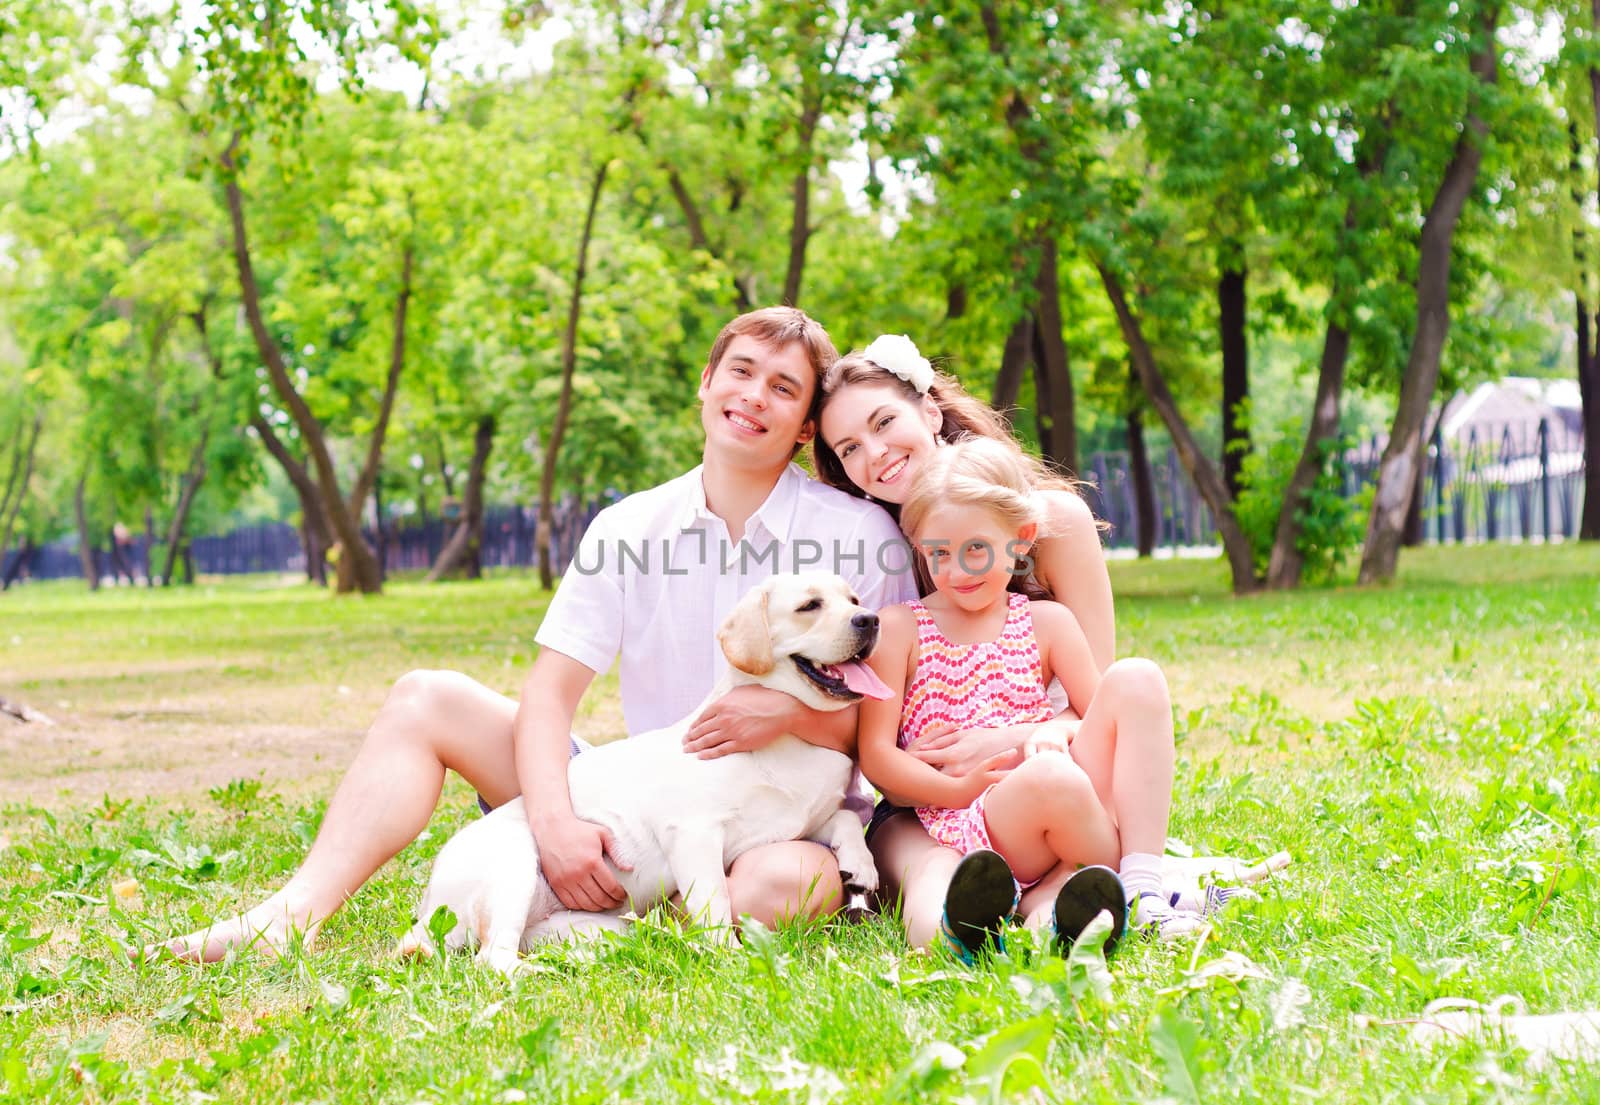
(372, 270)
(368, 269)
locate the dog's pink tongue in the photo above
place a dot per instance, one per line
(862, 679)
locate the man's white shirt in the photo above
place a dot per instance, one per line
(656, 574)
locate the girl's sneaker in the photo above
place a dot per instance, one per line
(982, 897)
(1087, 893)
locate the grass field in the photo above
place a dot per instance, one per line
(1426, 752)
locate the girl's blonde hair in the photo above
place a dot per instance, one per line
(977, 472)
(983, 472)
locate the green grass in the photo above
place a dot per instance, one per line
(1427, 753)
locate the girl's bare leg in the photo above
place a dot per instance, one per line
(431, 722)
(916, 869)
(1046, 813)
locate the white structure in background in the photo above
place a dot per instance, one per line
(1506, 462)
(1503, 417)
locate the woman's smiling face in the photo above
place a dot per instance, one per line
(880, 436)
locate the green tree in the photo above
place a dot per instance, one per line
(253, 79)
(1402, 458)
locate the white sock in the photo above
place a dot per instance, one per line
(1141, 875)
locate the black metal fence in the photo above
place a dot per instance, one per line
(1517, 482)
(1183, 519)
(508, 540)
(1513, 482)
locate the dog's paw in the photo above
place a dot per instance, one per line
(858, 877)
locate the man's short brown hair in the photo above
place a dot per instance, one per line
(778, 327)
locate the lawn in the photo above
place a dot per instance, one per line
(1426, 752)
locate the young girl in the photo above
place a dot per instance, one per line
(975, 655)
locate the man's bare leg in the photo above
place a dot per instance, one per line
(778, 882)
(431, 722)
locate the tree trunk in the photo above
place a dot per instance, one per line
(358, 567)
(743, 299)
(799, 236)
(446, 472)
(1589, 390)
(313, 544)
(465, 547)
(1403, 457)
(1144, 491)
(1052, 370)
(372, 469)
(1014, 358)
(955, 301)
(378, 532)
(1207, 480)
(1589, 370)
(1286, 565)
(314, 527)
(149, 546)
(180, 517)
(86, 556)
(18, 563)
(117, 552)
(1231, 306)
(17, 481)
(569, 359)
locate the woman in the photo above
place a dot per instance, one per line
(884, 411)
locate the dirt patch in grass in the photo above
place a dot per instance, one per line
(297, 737)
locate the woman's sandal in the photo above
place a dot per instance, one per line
(1209, 900)
(982, 897)
(1082, 898)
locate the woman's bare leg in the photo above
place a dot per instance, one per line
(1038, 902)
(916, 869)
(431, 722)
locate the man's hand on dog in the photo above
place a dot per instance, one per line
(743, 720)
(572, 855)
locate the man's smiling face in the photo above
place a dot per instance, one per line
(754, 402)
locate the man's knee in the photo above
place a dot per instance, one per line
(778, 882)
(419, 705)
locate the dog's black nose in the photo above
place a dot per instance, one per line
(865, 620)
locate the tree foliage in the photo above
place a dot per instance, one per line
(358, 256)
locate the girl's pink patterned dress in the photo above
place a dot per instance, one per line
(987, 685)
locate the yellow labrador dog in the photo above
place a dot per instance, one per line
(680, 821)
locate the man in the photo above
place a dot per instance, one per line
(654, 576)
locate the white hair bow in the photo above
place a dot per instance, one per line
(898, 354)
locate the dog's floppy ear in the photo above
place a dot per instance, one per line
(745, 637)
